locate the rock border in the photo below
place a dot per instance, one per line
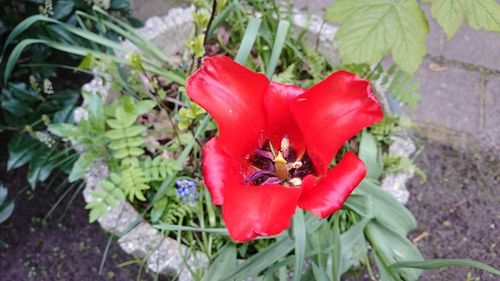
(163, 254)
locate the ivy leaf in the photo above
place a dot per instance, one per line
(450, 14)
(370, 29)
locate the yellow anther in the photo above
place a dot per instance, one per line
(280, 167)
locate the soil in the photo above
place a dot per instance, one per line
(458, 209)
(64, 247)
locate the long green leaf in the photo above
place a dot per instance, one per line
(279, 41)
(392, 247)
(368, 152)
(81, 51)
(248, 40)
(222, 265)
(386, 209)
(263, 259)
(299, 231)
(440, 263)
(173, 227)
(336, 257)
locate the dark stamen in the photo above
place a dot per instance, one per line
(258, 177)
(305, 169)
(263, 160)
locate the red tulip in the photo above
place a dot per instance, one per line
(276, 143)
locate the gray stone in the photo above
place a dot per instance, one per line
(144, 9)
(492, 112)
(317, 7)
(474, 47)
(436, 39)
(450, 99)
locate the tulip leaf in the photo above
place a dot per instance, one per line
(336, 251)
(386, 209)
(370, 29)
(369, 153)
(248, 40)
(279, 41)
(262, 260)
(440, 263)
(354, 245)
(450, 14)
(391, 247)
(225, 262)
(299, 230)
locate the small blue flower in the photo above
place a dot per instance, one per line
(186, 189)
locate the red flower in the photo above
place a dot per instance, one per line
(276, 143)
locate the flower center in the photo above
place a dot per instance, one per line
(283, 167)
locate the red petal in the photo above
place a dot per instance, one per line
(233, 95)
(331, 192)
(279, 118)
(218, 168)
(332, 112)
(251, 211)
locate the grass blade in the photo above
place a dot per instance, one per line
(173, 227)
(440, 263)
(221, 17)
(279, 41)
(248, 40)
(299, 231)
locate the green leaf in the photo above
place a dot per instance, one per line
(22, 148)
(404, 89)
(368, 152)
(354, 245)
(248, 40)
(392, 247)
(299, 231)
(279, 41)
(359, 203)
(41, 165)
(158, 209)
(440, 263)
(134, 131)
(336, 251)
(263, 259)
(370, 29)
(6, 207)
(386, 209)
(319, 275)
(223, 264)
(81, 165)
(450, 14)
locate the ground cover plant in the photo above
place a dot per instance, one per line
(162, 148)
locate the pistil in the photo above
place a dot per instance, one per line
(280, 167)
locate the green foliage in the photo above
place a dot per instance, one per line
(188, 115)
(109, 194)
(90, 133)
(404, 89)
(372, 28)
(6, 206)
(126, 139)
(159, 168)
(134, 183)
(450, 14)
(287, 76)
